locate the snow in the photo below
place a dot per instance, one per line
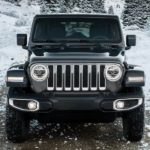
(15, 19)
(147, 127)
(148, 134)
(140, 55)
(118, 6)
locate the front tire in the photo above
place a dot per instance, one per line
(133, 124)
(17, 126)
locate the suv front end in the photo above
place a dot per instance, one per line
(80, 77)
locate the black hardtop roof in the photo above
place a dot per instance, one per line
(62, 15)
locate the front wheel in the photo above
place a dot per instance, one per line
(133, 124)
(17, 126)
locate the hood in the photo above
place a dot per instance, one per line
(77, 57)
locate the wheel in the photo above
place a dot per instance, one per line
(133, 124)
(17, 126)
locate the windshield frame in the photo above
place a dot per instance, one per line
(71, 17)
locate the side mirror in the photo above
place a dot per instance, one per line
(131, 40)
(22, 40)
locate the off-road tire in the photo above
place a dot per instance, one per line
(17, 125)
(133, 124)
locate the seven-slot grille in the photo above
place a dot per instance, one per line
(76, 77)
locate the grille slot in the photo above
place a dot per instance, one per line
(85, 78)
(51, 78)
(59, 78)
(76, 77)
(93, 78)
(102, 80)
(67, 76)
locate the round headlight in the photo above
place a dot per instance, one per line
(39, 72)
(113, 72)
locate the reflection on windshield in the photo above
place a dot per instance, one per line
(101, 29)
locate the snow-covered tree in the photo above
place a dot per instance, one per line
(50, 6)
(69, 6)
(14, 1)
(98, 6)
(136, 12)
(111, 10)
(84, 6)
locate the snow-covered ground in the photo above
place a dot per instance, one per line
(140, 55)
(13, 19)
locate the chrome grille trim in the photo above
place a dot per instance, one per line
(56, 79)
(102, 88)
(87, 87)
(67, 88)
(93, 88)
(52, 87)
(80, 77)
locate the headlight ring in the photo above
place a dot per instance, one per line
(113, 72)
(39, 72)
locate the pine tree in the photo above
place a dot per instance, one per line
(50, 6)
(136, 12)
(98, 6)
(111, 10)
(68, 6)
(14, 1)
(86, 6)
(11, 1)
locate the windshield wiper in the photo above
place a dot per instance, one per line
(84, 45)
(48, 41)
(48, 46)
(94, 43)
(61, 44)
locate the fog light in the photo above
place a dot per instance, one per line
(32, 105)
(120, 105)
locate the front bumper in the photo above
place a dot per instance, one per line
(75, 101)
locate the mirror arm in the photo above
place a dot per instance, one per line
(25, 47)
(128, 47)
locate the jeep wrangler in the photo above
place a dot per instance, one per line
(76, 71)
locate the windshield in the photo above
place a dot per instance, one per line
(104, 30)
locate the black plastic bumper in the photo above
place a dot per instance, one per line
(103, 102)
